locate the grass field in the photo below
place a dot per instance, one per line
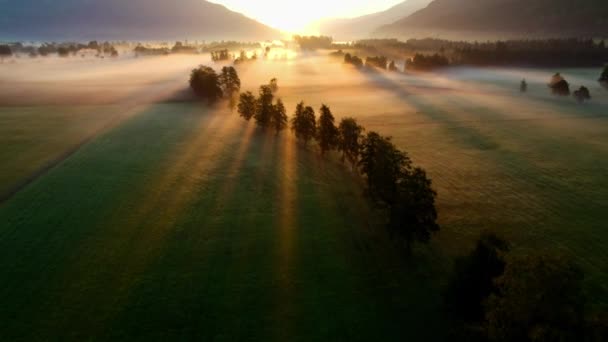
(175, 221)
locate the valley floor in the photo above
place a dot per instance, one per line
(156, 217)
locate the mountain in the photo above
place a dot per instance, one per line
(126, 20)
(523, 18)
(362, 27)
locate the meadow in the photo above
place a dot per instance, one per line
(144, 213)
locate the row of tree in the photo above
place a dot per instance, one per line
(394, 184)
(62, 50)
(538, 52)
(371, 63)
(313, 42)
(422, 62)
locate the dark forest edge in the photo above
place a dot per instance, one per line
(493, 294)
(572, 52)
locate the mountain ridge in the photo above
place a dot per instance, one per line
(125, 20)
(363, 26)
(520, 17)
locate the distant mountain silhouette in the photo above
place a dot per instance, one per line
(520, 17)
(362, 27)
(126, 19)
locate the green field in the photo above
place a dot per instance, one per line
(177, 221)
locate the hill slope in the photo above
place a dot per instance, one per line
(133, 19)
(522, 17)
(362, 27)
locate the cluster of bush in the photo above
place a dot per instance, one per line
(371, 63)
(559, 86)
(313, 42)
(242, 58)
(395, 185)
(496, 296)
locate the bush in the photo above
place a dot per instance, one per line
(559, 85)
(539, 298)
(582, 94)
(604, 75)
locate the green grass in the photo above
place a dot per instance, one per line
(185, 224)
(34, 137)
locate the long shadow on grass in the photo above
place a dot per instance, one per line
(532, 180)
(68, 255)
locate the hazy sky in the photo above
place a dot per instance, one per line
(295, 15)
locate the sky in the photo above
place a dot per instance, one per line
(295, 15)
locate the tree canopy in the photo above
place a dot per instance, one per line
(383, 164)
(247, 105)
(230, 83)
(264, 106)
(559, 85)
(353, 60)
(349, 141)
(523, 86)
(279, 116)
(205, 84)
(582, 94)
(539, 298)
(473, 278)
(303, 124)
(406, 191)
(327, 131)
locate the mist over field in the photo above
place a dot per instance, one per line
(277, 171)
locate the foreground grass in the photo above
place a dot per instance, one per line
(184, 224)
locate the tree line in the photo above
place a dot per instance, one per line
(493, 294)
(62, 50)
(313, 42)
(371, 62)
(394, 184)
(572, 52)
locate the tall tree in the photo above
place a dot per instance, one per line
(539, 298)
(350, 139)
(274, 85)
(304, 123)
(205, 83)
(384, 165)
(279, 117)
(473, 278)
(247, 105)
(230, 84)
(264, 107)
(413, 216)
(327, 132)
